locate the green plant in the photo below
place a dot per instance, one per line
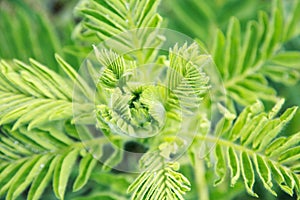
(152, 104)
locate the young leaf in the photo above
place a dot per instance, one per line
(245, 64)
(132, 25)
(159, 180)
(248, 173)
(86, 166)
(63, 171)
(272, 158)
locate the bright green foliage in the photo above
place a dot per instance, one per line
(27, 45)
(30, 91)
(36, 157)
(245, 63)
(159, 179)
(107, 19)
(204, 17)
(186, 76)
(40, 156)
(143, 110)
(251, 146)
(41, 147)
(116, 71)
(35, 150)
(22, 102)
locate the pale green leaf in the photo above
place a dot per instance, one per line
(234, 166)
(247, 173)
(264, 173)
(220, 167)
(86, 166)
(42, 180)
(62, 172)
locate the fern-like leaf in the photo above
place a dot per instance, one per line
(124, 21)
(115, 69)
(20, 24)
(186, 79)
(30, 91)
(245, 64)
(33, 159)
(206, 16)
(142, 109)
(251, 144)
(160, 179)
(35, 150)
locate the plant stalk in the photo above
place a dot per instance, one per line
(202, 188)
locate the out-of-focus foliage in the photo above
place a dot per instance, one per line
(29, 31)
(246, 62)
(26, 34)
(201, 19)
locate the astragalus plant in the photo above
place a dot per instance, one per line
(132, 110)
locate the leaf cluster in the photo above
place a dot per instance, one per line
(49, 114)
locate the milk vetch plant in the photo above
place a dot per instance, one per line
(150, 113)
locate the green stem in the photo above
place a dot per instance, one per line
(202, 188)
(244, 75)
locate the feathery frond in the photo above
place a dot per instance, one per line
(34, 158)
(130, 114)
(140, 109)
(159, 179)
(186, 79)
(115, 69)
(201, 19)
(251, 145)
(30, 91)
(19, 35)
(145, 96)
(245, 64)
(132, 25)
(41, 148)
